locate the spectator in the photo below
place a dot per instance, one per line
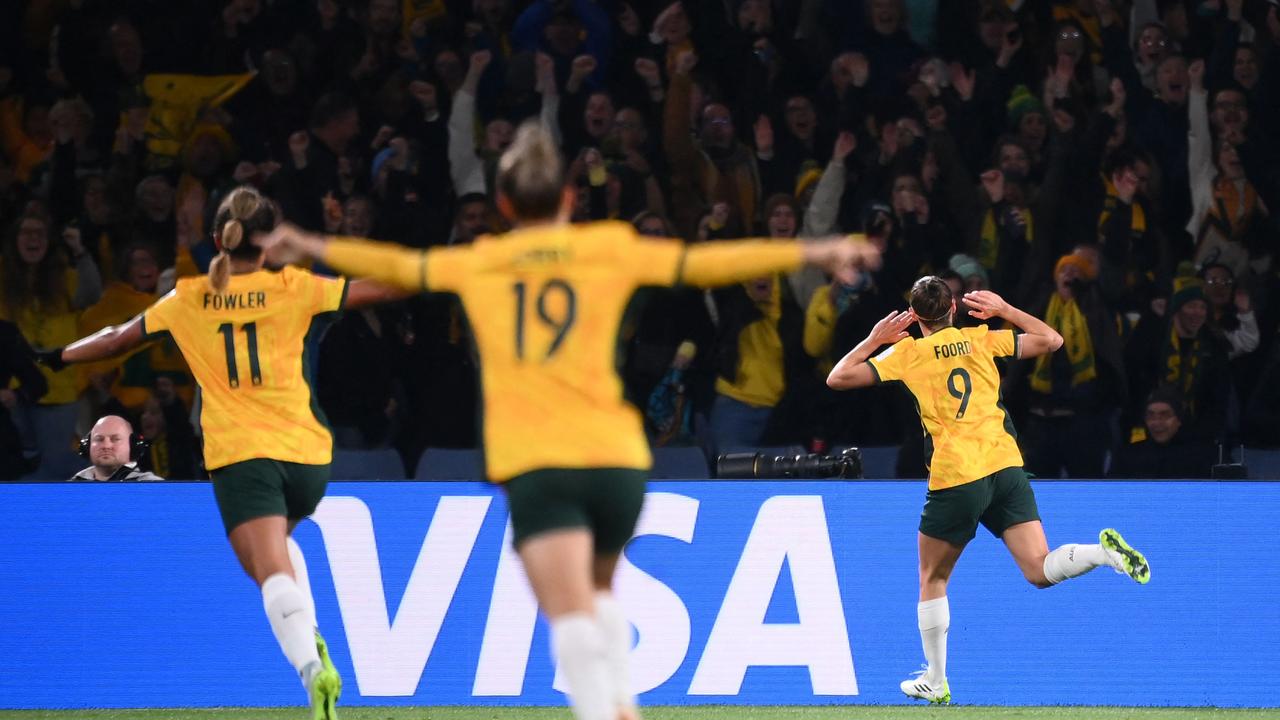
(171, 442)
(1164, 450)
(362, 358)
(18, 451)
(715, 167)
(1230, 310)
(1074, 392)
(110, 447)
(1182, 351)
(1227, 213)
(43, 296)
(126, 382)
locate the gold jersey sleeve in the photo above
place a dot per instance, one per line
(247, 348)
(956, 385)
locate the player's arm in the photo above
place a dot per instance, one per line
(725, 262)
(393, 265)
(853, 370)
(371, 292)
(108, 342)
(1037, 338)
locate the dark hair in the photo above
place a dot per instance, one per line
(330, 107)
(1204, 270)
(1169, 395)
(931, 299)
(1121, 158)
(531, 173)
(43, 288)
(241, 213)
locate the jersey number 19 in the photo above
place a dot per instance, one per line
(557, 308)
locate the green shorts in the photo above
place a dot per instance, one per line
(260, 487)
(606, 501)
(998, 501)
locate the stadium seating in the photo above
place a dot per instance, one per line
(879, 463)
(367, 465)
(679, 463)
(1263, 464)
(450, 464)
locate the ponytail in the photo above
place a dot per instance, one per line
(242, 211)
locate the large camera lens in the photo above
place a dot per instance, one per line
(755, 466)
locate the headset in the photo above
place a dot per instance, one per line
(138, 446)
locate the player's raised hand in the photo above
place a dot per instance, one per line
(288, 243)
(842, 256)
(985, 304)
(892, 327)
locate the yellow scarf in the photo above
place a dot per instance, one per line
(1182, 378)
(1065, 317)
(1138, 220)
(1232, 210)
(989, 241)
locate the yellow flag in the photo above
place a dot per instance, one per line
(177, 102)
(425, 9)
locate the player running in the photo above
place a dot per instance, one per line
(975, 468)
(244, 332)
(546, 303)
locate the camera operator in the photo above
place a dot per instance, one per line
(109, 447)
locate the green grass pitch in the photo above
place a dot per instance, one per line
(712, 712)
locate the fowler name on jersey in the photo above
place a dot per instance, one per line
(233, 301)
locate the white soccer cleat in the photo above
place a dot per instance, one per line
(919, 687)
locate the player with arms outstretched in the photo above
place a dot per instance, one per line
(546, 303)
(244, 333)
(975, 467)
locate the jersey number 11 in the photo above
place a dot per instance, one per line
(229, 340)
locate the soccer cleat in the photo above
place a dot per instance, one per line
(1124, 558)
(324, 689)
(918, 687)
(323, 649)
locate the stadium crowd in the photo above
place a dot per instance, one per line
(1107, 165)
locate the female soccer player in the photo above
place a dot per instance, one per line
(975, 468)
(244, 332)
(546, 303)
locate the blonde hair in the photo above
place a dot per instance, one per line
(531, 173)
(242, 212)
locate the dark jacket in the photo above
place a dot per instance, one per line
(1181, 457)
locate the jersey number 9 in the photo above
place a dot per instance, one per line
(557, 308)
(961, 394)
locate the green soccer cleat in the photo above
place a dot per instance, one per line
(1124, 558)
(323, 648)
(326, 685)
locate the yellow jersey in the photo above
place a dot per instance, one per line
(546, 305)
(952, 374)
(246, 347)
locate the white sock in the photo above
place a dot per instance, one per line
(300, 577)
(1072, 560)
(934, 618)
(287, 611)
(617, 642)
(579, 645)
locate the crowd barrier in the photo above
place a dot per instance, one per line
(779, 593)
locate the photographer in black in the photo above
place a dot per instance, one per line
(1073, 395)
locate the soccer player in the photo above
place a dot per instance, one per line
(546, 303)
(975, 468)
(244, 331)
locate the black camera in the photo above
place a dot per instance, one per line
(756, 466)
